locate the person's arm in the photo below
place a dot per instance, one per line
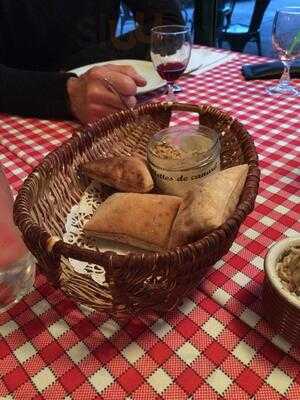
(64, 95)
(31, 93)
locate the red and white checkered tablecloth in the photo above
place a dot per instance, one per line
(217, 345)
(15, 169)
(51, 350)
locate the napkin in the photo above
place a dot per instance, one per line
(269, 70)
(203, 60)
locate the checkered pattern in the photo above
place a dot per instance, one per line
(216, 345)
(14, 168)
(31, 139)
(51, 350)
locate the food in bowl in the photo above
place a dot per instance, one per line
(288, 269)
(277, 272)
(179, 157)
(127, 174)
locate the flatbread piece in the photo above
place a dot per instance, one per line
(208, 206)
(127, 174)
(141, 220)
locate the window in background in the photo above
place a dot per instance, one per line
(241, 15)
(187, 7)
(126, 21)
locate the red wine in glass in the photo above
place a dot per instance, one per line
(171, 71)
(170, 53)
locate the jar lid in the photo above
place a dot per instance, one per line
(183, 143)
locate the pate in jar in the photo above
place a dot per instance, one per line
(180, 156)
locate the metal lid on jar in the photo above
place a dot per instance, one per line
(183, 146)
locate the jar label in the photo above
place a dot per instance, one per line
(179, 182)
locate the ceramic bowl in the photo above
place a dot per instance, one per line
(281, 308)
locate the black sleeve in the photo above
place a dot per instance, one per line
(31, 93)
(149, 13)
(134, 44)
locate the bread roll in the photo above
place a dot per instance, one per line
(141, 220)
(127, 174)
(208, 206)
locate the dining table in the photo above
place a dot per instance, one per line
(216, 344)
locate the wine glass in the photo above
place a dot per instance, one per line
(286, 41)
(170, 53)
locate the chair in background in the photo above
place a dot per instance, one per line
(224, 13)
(238, 35)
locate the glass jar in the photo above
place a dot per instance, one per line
(17, 265)
(180, 156)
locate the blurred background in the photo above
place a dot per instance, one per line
(240, 25)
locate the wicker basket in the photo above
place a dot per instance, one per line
(138, 281)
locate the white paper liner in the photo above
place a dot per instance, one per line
(76, 219)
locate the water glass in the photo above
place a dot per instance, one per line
(17, 265)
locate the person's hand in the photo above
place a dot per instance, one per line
(89, 95)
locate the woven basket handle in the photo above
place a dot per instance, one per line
(57, 248)
(186, 107)
(205, 109)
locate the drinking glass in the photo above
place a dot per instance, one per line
(286, 41)
(17, 265)
(170, 53)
